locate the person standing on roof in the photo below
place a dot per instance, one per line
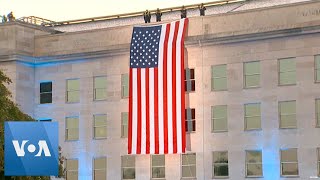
(11, 17)
(202, 9)
(158, 15)
(183, 12)
(147, 16)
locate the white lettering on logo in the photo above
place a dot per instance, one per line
(43, 147)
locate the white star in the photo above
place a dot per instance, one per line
(131, 57)
(143, 50)
(140, 54)
(134, 53)
(131, 50)
(155, 56)
(134, 47)
(156, 42)
(131, 64)
(149, 56)
(139, 32)
(151, 38)
(146, 53)
(158, 30)
(156, 49)
(147, 31)
(140, 47)
(143, 57)
(155, 34)
(155, 62)
(143, 35)
(152, 46)
(143, 63)
(149, 50)
(137, 64)
(134, 60)
(137, 57)
(158, 37)
(152, 59)
(140, 60)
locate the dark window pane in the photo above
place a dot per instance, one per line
(45, 98)
(193, 113)
(221, 170)
(46, 87)
(191, 73)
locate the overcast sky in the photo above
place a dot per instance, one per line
(60, 10)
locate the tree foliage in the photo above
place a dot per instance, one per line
(9, 111)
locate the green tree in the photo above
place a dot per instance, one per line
(9, 111)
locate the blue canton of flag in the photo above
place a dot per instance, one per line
(145, 47)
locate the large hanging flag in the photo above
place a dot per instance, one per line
(156, 89)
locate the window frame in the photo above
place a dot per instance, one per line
(249, 163)
(245, 117)
(318, 161)
(220, 163)
(122, 125)
(67, 91)
(189, 165)
(164, 166)
(122, 167)
(212, 78)
(94, 169)
(94, 88)
(66, 129)
(279, 72)
(49, 92)
(94, 127)
(279, 114)
(316, 113)
(190, 120)
(281, 163)
(123, 96)
(189, 79)
(214, 119)
(315, 68)
(74, 159)
(246, 75)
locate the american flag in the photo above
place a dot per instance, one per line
(156, 89)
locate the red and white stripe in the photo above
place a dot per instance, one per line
(157, 98)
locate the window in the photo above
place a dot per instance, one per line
(251, 74)
(317, 68)
(219, 78)
(287, 71)
(318, 154)
(252, 116)
(100, 168)
(100, 88)
(287, 114)
(220, 166)
(219, 118)
(124, 124)
(190, 114)
(289, 162)
(72, 169)
(189, 165)
(72, 128)
(318, 112)
(100, 126)
(190, 82)
(45, 92)
(128, 167)
(124, 85)
(254, 164)
(73, 92)
(158, 164)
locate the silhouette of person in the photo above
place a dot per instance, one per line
(202, 9)
(147, 16)
(4, 19)
(11, 17)
(183, 12)
(158, 15)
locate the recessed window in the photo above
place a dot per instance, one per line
(158, 164)
(190, 82)
(72, 169)
(45, 120)
(72, 128)
(190, 114)
(254, 164)
(252, 116)
(100, 88)
(317, 68)
(100, 126)
(289, 162)
(73, 90)
(318, 154)
(287, 114)
(219, 78)
(287, 71)
(100, 168)
(220, 167)
(219, 118)
(318, 112)
(124, 85)
(128, 167)
(45, 92)
(251, 74)
(124, 124)
(189, 165)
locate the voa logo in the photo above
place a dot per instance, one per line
(29, 145)
(42, 144)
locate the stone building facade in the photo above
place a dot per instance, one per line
(255, 102)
